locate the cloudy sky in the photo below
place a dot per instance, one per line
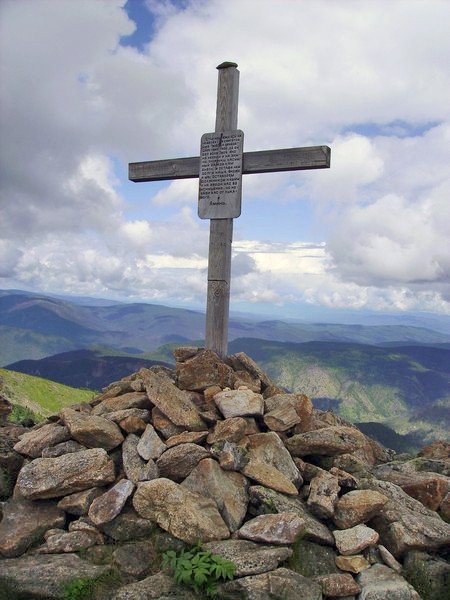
(88, 86)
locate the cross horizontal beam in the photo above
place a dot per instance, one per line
(263, 161)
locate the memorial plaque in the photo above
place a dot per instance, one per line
(220, 186)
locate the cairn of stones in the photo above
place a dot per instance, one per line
(213, 451)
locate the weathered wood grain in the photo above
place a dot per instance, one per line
(221, 230)
(262, 161)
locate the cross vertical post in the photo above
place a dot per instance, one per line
(221, 230)
(220, 167)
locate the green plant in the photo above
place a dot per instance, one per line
(78, 589)
(22, 413)
(199, 569)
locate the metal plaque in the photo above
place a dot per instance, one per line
(220, 185)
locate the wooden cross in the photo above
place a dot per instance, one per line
(220, 167)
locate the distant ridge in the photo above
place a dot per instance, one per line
(33, 326)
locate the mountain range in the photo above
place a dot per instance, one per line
(394, 376)
(33, 326)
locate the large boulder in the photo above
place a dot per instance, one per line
(32, 443)
(185, 514)
(176, 404)
(380, 582)
(55, 477)
(248, 557)
(204, 370)
(263, 501)
(92, 431)
(228, 489)
(37, 577)
(405, 523)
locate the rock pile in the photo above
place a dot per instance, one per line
(303, 503)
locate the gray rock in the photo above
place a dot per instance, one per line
(44, 576)
(239, 403)
(79, 503)
(268, 448)
(135, 559)
(55, 477)
(128, 525)
(92, 431)
(380, 582)
(32, 443)
(311, 559)
(249, 558)
(264, 500)
(226, 488)
(155, 587)
(178, 462)
(184, 514)
(70, 541)
(280, 584)
(150, 445)
(107, 506)
(354, 540)
(62, 448)
(136, 469)
(429, 575)
(25, 523)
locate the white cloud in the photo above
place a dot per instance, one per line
(77, 106)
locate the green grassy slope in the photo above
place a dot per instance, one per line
(39, 395)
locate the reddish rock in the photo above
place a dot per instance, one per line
(338, 585)
(173, 402)
(299, 402)
(323, 495)
(281, 528)
(282, 418)
(122, 402)
(358, 506)
(132, 425)
(327, 441)
(187, 437)
(204, 370)
(438, 449)
(92, 431)
(164, 425)
(231, 430)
